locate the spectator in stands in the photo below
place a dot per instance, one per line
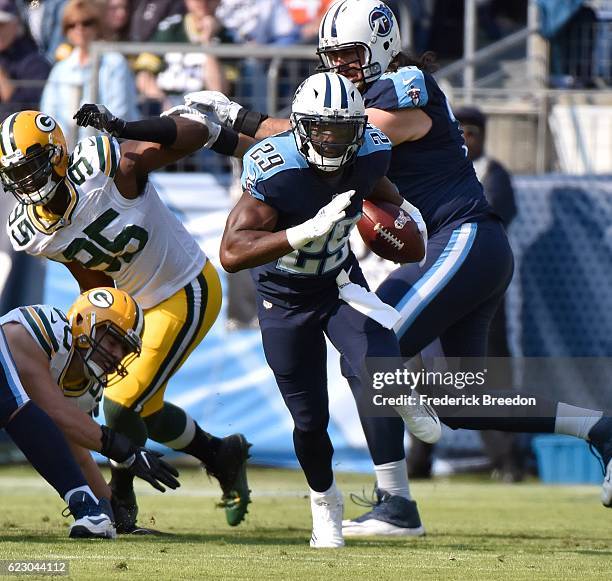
(70, 81)
(23, 70)
(257, 22)
(166, 79)
(307, 16)
(44, 20)
(118, 14)
(148, 14)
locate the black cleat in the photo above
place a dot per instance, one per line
(230, 469)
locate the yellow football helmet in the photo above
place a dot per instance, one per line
(100, 320)
(33, 156)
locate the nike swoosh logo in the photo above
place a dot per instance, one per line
(409, 81)
(98, 521)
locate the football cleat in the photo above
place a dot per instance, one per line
(391, 516)
(421, 420)
(600, 438)
(327, 512)
(230, 469)
(90, 520)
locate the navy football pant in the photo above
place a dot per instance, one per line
(33, 431)
(453, 298)
(295, 349)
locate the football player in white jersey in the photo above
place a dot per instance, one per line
(43, 352)
(97, 212)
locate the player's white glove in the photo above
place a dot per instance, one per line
(194, 115)
(322, 223)
(415, 214)
(214, 103)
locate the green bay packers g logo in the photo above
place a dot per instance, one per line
(45, 123)
(101, 298)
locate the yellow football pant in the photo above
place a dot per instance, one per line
(172, 330)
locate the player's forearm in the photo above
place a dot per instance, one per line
(91, 471)
(75, 424)
(386, 191)
(271, 126)
(250, 248)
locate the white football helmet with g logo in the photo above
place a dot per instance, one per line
(370, 24)
(328, 120)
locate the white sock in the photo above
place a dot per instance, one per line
(575, 421)
(331, 491)
(79, 489)
(392, 477)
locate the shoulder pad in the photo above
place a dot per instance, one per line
(267, 159)
(48, 327)
(409, 83)
(94, 162)
(374, 140)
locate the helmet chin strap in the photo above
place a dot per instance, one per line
(94, 371)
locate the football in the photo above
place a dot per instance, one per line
(390, 233)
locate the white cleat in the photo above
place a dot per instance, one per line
(91, 521)
(391, 516)
(376, 528)
(93, 527)
(421, 420)
(327, 512)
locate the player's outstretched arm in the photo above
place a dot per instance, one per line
(239, 118)
(33, 369)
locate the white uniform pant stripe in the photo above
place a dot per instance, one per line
(436, 278)
(10, 370)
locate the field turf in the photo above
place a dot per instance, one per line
(477, 529)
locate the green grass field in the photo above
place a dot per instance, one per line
(476, 530)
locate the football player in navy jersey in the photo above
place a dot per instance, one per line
(452, 295)
(303, 191)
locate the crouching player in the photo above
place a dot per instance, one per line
(45, 352)
(303, 193)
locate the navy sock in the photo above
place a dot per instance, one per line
(314, 452)
(45, 447)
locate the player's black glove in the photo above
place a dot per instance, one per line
(141, 462)
(149, 466)
(99, 117)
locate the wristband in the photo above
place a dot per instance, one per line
(226, 142)
(160, 130)
(297, 237)
(248, 122)
(115, 446)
